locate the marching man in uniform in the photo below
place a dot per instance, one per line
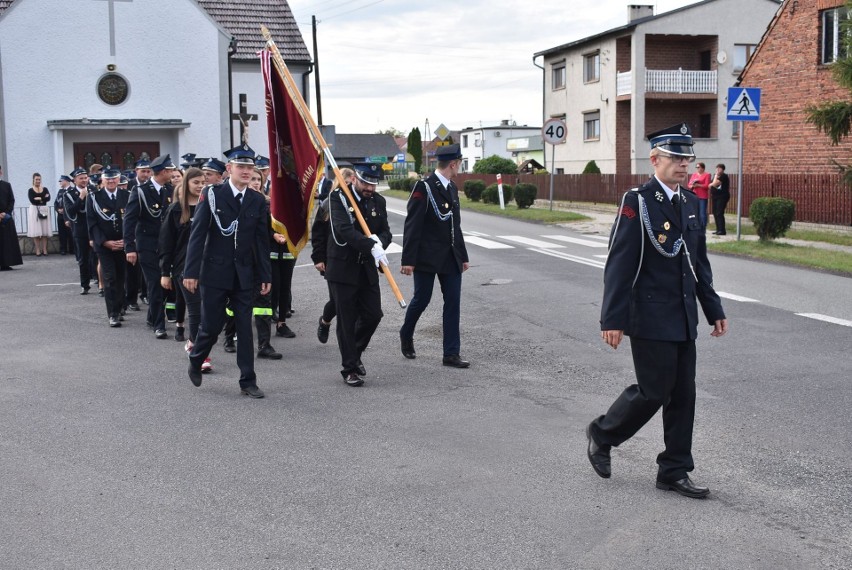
(656, 269)
(227, 254)
(105, 216)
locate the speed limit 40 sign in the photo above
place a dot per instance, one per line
(554, 132)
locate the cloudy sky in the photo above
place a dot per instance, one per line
(395, 63)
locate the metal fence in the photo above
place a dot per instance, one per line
(22, 220)
(819, 199)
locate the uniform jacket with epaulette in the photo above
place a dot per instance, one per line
(430, 243)
(75, 212)
(105, 220)
(213, 257)
(661, 305)
(145, 214)
(348, 249)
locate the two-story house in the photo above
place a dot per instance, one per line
(614, 87)
(792, 67)
(482, 142)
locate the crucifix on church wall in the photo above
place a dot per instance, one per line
(243, 117)
(112, 23)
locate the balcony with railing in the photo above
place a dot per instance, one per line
(699, 84)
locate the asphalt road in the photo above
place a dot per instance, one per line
(110, 458)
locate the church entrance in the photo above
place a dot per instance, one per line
(121, 154)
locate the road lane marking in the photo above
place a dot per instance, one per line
(603, 255)
(532, 242)
(478, 234)
(397, 212)
(826, 319)
(569, 257)
(393, 248)
(578, 241)
(55, 284)
(733, 297)
(487, 243)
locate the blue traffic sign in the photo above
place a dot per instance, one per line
(743, 103)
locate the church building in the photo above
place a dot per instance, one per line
(115, 81)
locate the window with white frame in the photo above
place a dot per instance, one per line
(558, 81)
(833, 32)
(464, 141)
(741, 54)
(592, 67)
(592, 126)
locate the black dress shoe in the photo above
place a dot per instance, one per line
(322, 331)
(179, 334)
(252, 392)
(267, 351)
(84, 290)
(598, 456)
(361, 370)
(284, 330)
(114, 322)
(161, 334)
(133, 307)
(229, 345)
(684, 487)
(353, 379)
(455, 361)
(194, 375)
(407, 347)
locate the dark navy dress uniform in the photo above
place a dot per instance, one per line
(75, 212)
(105, 216)
(656, 275)
(351, 271)
(228, 256)
(66, 239)
(142, 223)
(433, 243)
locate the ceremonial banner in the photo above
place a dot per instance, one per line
(296, 161)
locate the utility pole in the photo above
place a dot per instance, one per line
(316, 71)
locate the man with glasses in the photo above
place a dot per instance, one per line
(656, 269)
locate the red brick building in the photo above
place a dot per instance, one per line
(792, 66)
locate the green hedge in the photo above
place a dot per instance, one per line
(525, 195)
(473, 189)
(772, 217)
(490, 196)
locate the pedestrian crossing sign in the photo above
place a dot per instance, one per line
(743, 104)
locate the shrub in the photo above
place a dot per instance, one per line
(408, 183)
(393, 183)
(772, 217)
(525, 195)
(473, 189)
(495, 165)
(490, 196)
(591, 168)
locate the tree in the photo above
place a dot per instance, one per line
(393, 131)
(834, 118)
(591, 168)
(415, 147)
(495, 165)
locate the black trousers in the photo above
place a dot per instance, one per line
(720, 202)
(112, 272)
(150, 262)
(193, 308)
(66, 240)
(665, 374)
(282, 280)
(213, 319)
(82, 252)
(133, 276)
(359, 311)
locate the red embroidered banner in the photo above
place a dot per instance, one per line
(296, 162)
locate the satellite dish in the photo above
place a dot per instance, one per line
(721, 57)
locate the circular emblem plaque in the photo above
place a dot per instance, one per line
(113, 89)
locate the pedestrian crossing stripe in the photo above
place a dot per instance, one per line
(743, 104)
(576, 241)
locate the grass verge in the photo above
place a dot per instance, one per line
(824, 236)
(811, 257)
(536, 215)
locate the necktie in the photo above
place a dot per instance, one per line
(676, 204)
(112, 197)
(240, 197)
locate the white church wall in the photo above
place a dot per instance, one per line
(173, 74)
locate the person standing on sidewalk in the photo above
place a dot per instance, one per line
(720, 190)
(63, 228)
(433, 245)
(10, 249)
(650, 289)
